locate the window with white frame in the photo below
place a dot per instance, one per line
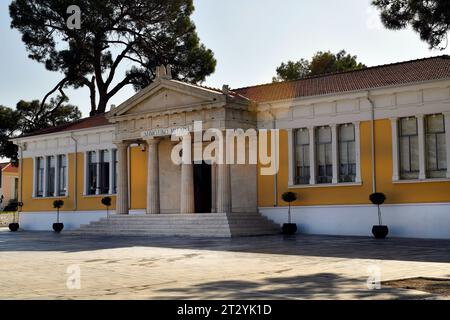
(92, 173)
(50, 177)
(408, 148)
(302, 166)
(39, 177)
(62, 175)
(347, 153)
(435, 146)
(101, 172)
(324, 155)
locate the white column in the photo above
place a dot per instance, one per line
(35, 176)
(187, 204)
(421, 133)
(358, 178)
(447, 140)
(224, 183)
(153, 200)
(57, 176)
(213, 187)
(395, 158)
(312, 155)
(334, 153)
(111, 171)
(122, 178)
(291, 157)
(98, 158)
(86, 173)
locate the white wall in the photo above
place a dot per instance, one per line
(405, 220)
(43, 221)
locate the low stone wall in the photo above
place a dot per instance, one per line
(6, 219)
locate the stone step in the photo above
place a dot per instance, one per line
(195, 225)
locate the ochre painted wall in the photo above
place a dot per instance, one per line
(420, 192)
(84, 203)
(138, 178)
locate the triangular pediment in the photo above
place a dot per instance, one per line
(167, 95)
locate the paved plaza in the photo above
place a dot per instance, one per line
(43, 265)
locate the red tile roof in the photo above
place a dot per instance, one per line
(90, 122)
(434, 68)
(10, 168)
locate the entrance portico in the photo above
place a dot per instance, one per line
(148, 119)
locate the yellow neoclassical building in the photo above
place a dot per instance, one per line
(335, 139)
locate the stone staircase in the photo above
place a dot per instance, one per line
(195, 225)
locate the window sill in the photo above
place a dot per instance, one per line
(325, 185)
(50, 198)
(99, 195)
(431, 180)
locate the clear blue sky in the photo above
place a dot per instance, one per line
(250, 38)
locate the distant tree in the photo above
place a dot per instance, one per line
(321, 63)
(429, 18)
(292, 70)
(30, 116)
(140, 33)
(9, 123)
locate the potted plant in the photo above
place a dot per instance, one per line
(57, 204)
(106, 201)
(13, 206)
(380, 231)
(289, 228)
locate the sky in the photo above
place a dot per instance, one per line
(250, 38)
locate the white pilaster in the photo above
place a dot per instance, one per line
(395, 152)
(358, 178)
(334, 153)
(291, 157)
(35, 177)
(86, 173)
(312, 155)
(153, 196)
(122, 205)
(421, 133)
(447, 140)
(187, 204)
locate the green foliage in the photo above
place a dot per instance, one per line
(30, 116)
(141, 34)
(106, 201)
(429, 18)
(57, 204)
(289, 197)
(321, 63)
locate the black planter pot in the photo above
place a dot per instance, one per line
(289, 228)
(13, 227)
(380, 232)
(58, 227)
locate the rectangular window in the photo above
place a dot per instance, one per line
(435, 146)
(324, 155)
(301, 142)
(408, 148)
(347, 153)
(39, 177)
(62, 171)
(51, 167)
(114, 155)
(92, 173)
(104, 171)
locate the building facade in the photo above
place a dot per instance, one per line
(9, 184)
(341, 137)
